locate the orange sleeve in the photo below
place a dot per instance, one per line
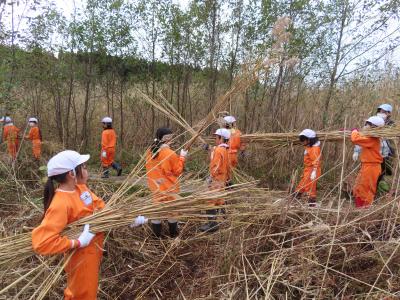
(216, 164)
(173, 164)
(30, 134)
(5, 133)
(362, 141)
(98, 203)
(315, 156)
(46, 238)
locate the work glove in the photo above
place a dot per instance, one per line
(86, 237)
(355, 156)
(209, 180)
(313, 174)
(139, 221)
(242, 155)
(205, 147)
(184, 152)
(103, 154)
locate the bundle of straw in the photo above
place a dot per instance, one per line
(275, 139)
(18, 248)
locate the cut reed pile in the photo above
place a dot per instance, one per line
(268, 247)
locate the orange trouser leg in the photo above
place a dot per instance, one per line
(365, 186)
(12, 149)
(306, 185)
(109, 159)
(36, 148)
(216, 185)
(233, 159)
(83, 272)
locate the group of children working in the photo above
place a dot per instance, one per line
(73, 200)
(11, 134)
(375, 156)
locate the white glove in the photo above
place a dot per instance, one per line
(86, 237)
(313, 174)
(139, 221)
(355, 156)
(184, 153)
(103, 154)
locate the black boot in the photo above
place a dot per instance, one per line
(106, 173)
(117, 167)
(297, 195)
(312, 202)
(212, 224)
(173, 229)
(156, 229)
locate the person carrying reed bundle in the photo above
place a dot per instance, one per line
(71, 201)
(387, 150)
(235, 143)
(219, 175)
(312, 166)
(371, 158)
(108, 144)
(163, 168)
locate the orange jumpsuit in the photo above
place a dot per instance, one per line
(234, 146)
(108, 142)
(364, 189)
(219, 170)
(312, 160)
(163, 172)
(34, 136)
(83, 267)
(10, 134)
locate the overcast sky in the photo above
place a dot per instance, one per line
(21, 10)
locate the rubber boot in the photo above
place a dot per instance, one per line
(106, 172)
(117, 167)
(312, 202)
(212, 225)
(156, 229)
(173, 229)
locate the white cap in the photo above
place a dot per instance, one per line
(6, 119)
(65, 161)
(308, 133)
(386, 107)
(33, 120)
(377, 121)
(230, 119)
(106, 120)
(225, 133)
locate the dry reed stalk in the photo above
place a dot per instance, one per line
(287, 138)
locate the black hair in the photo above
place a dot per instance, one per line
(228, 125)
(48, 193)
(108, 126)
(311, 141)
(49, 190)
(158, 140)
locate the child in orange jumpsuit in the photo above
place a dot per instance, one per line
(312, 166)
(163, 168)
(71, 201)
(364, 189)
(235, 144)
(108, 144)
(11, 135)
(35, 135)
(219, 174)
